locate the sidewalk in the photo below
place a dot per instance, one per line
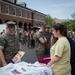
(30, 55)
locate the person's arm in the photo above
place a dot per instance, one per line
(2, 44)
(19, 44)
(51, 41)
(20, 47)
(53, 60)
(2, 58)
(43, 40)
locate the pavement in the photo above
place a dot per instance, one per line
(30, 55)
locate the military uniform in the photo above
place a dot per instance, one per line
(28, 39)
(32, 39)
(47, 45)
(39, 47)
(23, 37)
(9, 44)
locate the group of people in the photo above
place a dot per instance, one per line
(42, 42)
(59, 50)
(26, 38)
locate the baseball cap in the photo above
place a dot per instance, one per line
(11, 25)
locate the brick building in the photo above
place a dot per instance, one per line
(19, 13)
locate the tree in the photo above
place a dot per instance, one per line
(70, 25)
(73, 15)
(49, 21)
(67, 24)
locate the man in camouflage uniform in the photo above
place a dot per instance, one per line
(23, 37)
(9, 44)
(47, 44)
(40, 41)
(32, 39)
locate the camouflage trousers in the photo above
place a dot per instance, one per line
(40, 54)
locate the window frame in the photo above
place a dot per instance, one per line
(7, 9)
(14, 11)
(20, 14)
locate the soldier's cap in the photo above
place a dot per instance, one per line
(48, 26)
(11, 25)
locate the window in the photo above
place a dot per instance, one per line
(25, 14)
(7, 9)
(37, 16)
(42, 18)
(14, 11)
(20, 12)
(29, 15)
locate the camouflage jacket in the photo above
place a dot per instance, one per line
(9, 44)
(38, 45)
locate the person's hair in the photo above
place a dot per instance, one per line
(62, 28)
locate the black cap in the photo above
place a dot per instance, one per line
(11, 25)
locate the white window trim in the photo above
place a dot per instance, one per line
(14, 11)
(25, 14)
(20, 14)
(8, 9)
(29, 15)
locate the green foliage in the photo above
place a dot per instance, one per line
(70, 24)
(49, 21)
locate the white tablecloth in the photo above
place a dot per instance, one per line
(24, 68)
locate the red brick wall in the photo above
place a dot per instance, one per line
(17, 18)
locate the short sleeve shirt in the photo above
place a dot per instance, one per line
(9, 45)
(62, 49)
(39, 36)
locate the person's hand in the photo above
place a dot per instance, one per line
(4, 64)
(48, 65)
(45, 39)
(42, 64)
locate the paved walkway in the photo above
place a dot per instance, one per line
(30, 55)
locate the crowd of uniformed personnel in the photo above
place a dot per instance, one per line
(27, 38)
(40, 40)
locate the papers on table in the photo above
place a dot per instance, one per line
(24, 68)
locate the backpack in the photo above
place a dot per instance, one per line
(72, 44)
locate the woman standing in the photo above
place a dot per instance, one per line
(60, 51)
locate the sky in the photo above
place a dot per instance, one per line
(60, 9)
